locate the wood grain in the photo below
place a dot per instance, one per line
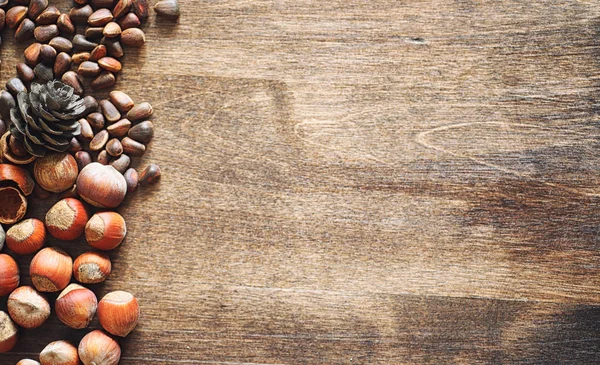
(362, 182)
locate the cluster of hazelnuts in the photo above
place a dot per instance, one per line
(52, 269)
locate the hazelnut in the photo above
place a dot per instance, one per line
(92, 267)
(97, 348)
(105, 230)
(59, 353)
(27, 307)
(118, 313)
(9, 274)
(55, 172)
(28, 362)
(14, 205)
(51, 270)
(18, 176)
(26, 237)
(8, 332)
(66, 220)
(101, 185)
(76, 306)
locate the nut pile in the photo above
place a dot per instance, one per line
(55, 139)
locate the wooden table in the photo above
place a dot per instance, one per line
(362, 182)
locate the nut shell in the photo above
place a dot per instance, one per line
(17, 175)
(92, 267)
(97, 348)
(51, 270)
(66, 220)
(9, 274)
(105, 230)
(8, 332)
(14, 205)
(59, 353)
(118, 313)
(56, 172)
(26, 237)
(28, 362)
(76, 306)
(101, 185)
(27, 307)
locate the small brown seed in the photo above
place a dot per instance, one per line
(122, 101)
(133, 37)
(15, 86)
(81, 57)
(90, 103)
(111, 30)
(93, 33)
(83, 159)
(62, 64)
(142, 132)
(129, 21)
(25, 30)
(7, 102)
(61, 44)
(25, 72)
(150, 175)
(141, 8)
(110, 111)
(2, 18)
(88, 69)
(72, 79)
(96, 120)
(114, 147)
(43, 72)
(120, 128)
(65, 24)
(132, 179)
(103, 157)
(80, 15)
(75, 146)
(15, 15)
(48, 16)
(121, 163)
(82, 44)
(100, 18)
(167, 8)
(98, 52)
(102, 3)
(44, 33)
(32, 54)
(110, 64)
(121, 8)
(87, 133)
(140, 111)
(104, 80)
(113, 47)
(132, 148)
(47, 54)
(99, 140)
(16, 146)
(36, 7)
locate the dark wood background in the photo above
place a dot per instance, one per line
(363, 182)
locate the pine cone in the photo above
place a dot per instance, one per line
(46, 117)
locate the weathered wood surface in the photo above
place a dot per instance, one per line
(364, 182)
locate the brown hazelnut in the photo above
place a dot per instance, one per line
(101, 185)
(92, 267)
(118, 313)
(9, 274)
(56, 172)
(76, 306)
(51, 270)
(8, 332)
(105, 230)
(66, 220)
(28, 362)
(26, 237)
(97, 348)
(18, 176)
(14, 205)
(27, 307)
(59, 353)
